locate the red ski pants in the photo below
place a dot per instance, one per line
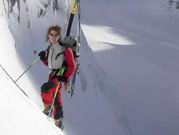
(48, 96)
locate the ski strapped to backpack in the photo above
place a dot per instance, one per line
(69, 41)
(74, 9)
(77, 48)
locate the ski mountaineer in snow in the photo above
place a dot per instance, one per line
(61, 62)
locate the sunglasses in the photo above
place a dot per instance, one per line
(53, 35)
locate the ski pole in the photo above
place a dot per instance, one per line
(33, 62)
(51, 107)
(14, 81)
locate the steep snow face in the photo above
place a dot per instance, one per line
(19, 115)
(133, 59)
(88, 112)
(144, 67)
(28, 22)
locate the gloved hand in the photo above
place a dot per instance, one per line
(42, 55)
(62, 79)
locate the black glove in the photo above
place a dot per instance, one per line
(42, 55)
(62, 79)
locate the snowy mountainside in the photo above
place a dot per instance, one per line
(128, 81)
(29, 36)
(29, 28)
(136, 43)
(18, 114)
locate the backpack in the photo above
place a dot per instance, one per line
(70, 42)
(55, 57)
(57, 60)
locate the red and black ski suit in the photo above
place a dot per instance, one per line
(50, 87)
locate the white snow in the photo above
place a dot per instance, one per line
(128, 81)
(19, 115)
(146, 72)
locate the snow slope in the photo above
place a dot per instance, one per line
(88, 111)
(128, 73)
(136, 43)
(19, 116)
